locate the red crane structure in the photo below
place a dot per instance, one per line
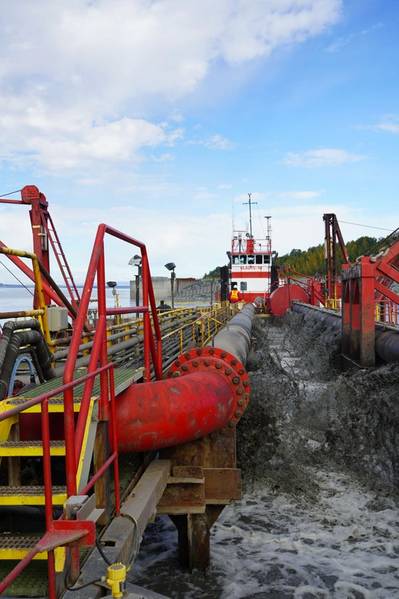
(45, 235)
(332, 239)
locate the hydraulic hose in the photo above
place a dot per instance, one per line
(9, 328)
(20, 339)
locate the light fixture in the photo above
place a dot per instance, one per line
(170, 265)
(135, 260)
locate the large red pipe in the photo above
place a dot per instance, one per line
(207, 389)
(173, 411)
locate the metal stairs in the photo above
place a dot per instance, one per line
(14, 452)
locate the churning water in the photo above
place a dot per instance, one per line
(319, 516)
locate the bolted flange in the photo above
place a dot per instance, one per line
(212, 359)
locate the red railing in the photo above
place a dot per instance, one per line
(61, 534)
(57, 532)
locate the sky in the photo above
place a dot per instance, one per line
(157, 117)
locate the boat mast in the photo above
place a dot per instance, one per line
(250, 203)
(268, 234)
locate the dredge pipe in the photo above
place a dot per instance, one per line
(161, 414)
(205, 390)
(235, 337)
(386, 338)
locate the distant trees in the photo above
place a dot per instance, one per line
(311, 261)
(212, 274)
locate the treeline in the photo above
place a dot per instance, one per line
(311, 261)
(212, 274)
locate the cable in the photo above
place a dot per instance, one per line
(83, 586)
(15, 277)
(101, 552)
(366, 226)
(3, 195)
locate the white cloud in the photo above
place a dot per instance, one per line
(321, 157)
(389, 124)
(169, 235)
(214, 142)
(67, 139)
(218, 142)
(344, 41)
(79, 78)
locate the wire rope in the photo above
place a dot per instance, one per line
(15, 277)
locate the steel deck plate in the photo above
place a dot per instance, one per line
(123, 378)
(31, 583)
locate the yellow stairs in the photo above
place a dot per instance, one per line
(15, 546)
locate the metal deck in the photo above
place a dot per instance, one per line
(124, 377)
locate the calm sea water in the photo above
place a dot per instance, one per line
(19, 298)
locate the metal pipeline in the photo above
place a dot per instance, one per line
(205, 390)
(386, 337)
(235, 337)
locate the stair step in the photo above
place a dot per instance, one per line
(16, 546)
(30, 448)
(56, 404)
(30, 495)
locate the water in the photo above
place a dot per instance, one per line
(310, 524)
(19, 298)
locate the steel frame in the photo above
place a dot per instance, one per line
(365, 285)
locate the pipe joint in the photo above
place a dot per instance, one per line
(226, 365)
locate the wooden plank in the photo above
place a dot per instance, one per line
(141, 505)
(188, 471)
(222, 485)
(181, 497)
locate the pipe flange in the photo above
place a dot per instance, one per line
(205, 359)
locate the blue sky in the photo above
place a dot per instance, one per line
(158, 117)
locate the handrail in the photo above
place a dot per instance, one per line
(43, 399)
(29, 403)
(152, 348)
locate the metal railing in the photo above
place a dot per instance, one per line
(71, 531)
(387, 312)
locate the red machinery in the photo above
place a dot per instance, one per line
(310, 289)
(333, 239)
(369, 294)
(43, 232)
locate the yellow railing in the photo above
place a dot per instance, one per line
(333, 303)
(387, 312)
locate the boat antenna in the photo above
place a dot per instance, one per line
(268, 233)
(250, 203)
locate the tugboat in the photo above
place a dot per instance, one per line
(253, 270)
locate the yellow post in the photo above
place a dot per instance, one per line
(42, 311)
(116, 576)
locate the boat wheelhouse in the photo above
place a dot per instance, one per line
(252, 262)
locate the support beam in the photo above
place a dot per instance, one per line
(121, 539)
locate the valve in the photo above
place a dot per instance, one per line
(116, 577)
